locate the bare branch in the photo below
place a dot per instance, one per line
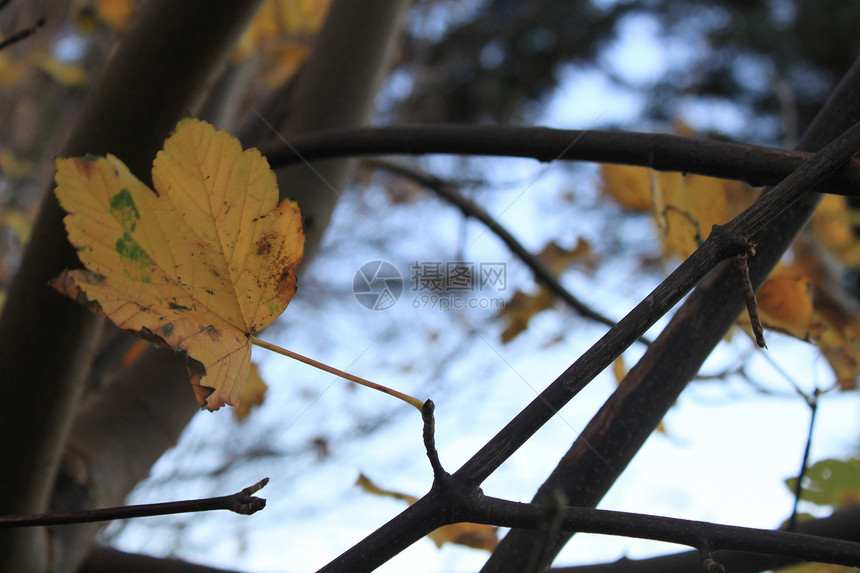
(22, 34)
(242, 502)
(707, 537)
(753, 164)
(107, 559)
(840, 525)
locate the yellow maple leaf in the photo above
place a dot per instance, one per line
(200, 266)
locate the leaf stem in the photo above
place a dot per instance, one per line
(346, 375)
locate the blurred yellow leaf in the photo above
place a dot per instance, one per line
(834, 225)
(475, 535)
(115, 13)
(281, 32)
(558, 259)
(818, 307)
(253, 393)
(785, 304)
(841, 347)
(199, 266)
(63, 73)
(686, 208)
(91, 15)
(629, 186)
(12, 71)
(619, 369)
(13, 167)
(521, 308)
(18, 223)
(367, 485)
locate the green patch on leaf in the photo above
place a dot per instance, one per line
(137, 262)
(124, 210)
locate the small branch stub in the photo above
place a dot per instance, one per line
(427, 411)
(742, 265)
(710, 564)
(244, 501)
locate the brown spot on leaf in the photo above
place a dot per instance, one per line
(287, 283)
(264, 245)
(213, 332)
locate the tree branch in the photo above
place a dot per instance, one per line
(108, 560)
(723, 242)
(625, 421)
(753, 164)
(23, 34)
(840, 525)
(706, 537)
(241, 502)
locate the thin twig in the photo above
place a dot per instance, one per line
(22, 34)
(447, 191)
(812, 402)
(241, 502)
(756, 165)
